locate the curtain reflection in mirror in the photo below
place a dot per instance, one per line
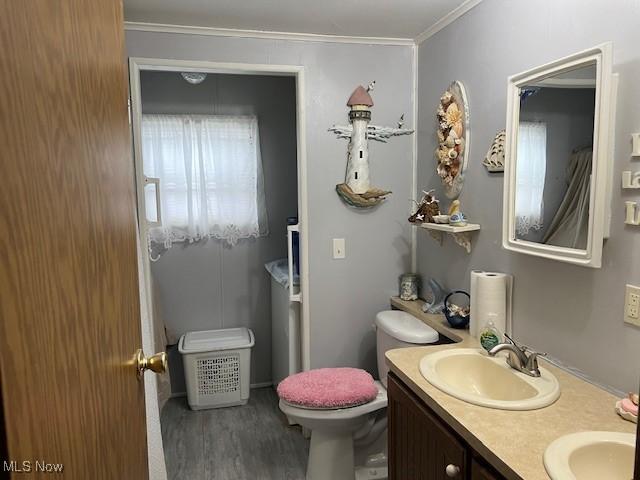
(531, 168)
(570, 226)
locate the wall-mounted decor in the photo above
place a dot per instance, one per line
(635, 150)
(632, 216)
(494, 160)
(357, 190)
(630, 180)
(453, 138)
(429, 217)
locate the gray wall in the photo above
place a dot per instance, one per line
(344, 294)
(568, 115)
(574, 313)
(208, 285)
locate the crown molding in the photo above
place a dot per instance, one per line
(230, 32)
(449, 18)
(303, 37)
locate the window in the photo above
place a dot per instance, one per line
(210, 171)
(531, 167)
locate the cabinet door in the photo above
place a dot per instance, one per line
(480, 472)
(421, 447)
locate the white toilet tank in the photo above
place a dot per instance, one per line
(399, 329)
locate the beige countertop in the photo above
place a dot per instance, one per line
(512, 441)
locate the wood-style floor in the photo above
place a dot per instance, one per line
(251, 442)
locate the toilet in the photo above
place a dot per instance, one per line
(345, 409)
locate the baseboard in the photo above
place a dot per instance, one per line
(261, 385)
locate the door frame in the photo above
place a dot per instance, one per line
(139, 64)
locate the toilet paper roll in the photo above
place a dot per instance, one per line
(492, 292)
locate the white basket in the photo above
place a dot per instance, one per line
(217, 367)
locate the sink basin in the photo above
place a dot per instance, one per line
(591, 456)
(471, 375)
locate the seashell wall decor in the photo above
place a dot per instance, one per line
(494, 160)
(453, 138)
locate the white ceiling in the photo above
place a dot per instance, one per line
(361, 18)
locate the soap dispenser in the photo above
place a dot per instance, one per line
(490, 336)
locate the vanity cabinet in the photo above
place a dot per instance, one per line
(481, 472)
(422, 446)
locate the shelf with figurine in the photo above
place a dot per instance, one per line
(454, 223)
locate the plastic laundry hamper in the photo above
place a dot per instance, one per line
(217, 367)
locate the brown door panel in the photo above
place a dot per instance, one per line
(68, 276)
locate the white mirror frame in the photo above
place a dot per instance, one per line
(599, 204)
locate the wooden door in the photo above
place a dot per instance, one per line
(421, 447)
(69, 300)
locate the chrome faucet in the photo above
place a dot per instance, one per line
(518, 358)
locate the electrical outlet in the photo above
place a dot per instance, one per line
(338, 248)
(632, 305)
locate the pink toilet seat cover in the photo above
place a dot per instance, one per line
(328, 388)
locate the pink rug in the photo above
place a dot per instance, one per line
(328, 388)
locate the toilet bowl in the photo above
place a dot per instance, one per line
(349, 442)
(331, 452)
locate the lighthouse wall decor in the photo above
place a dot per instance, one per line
(357, 190)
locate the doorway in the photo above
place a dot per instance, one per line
(210, 224)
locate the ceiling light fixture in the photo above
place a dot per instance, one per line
(194, 78)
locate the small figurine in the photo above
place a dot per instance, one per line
(409, 286)
(428, 208)
(434, 297)
(456, 217)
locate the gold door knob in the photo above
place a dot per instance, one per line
(156, 363)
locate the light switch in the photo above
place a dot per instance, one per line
(632, 305)
(338, 248)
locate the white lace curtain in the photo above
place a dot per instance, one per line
(211, 181)
(531, 168)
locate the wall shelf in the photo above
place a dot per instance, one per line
(461, 235)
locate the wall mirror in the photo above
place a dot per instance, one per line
(558, 158)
